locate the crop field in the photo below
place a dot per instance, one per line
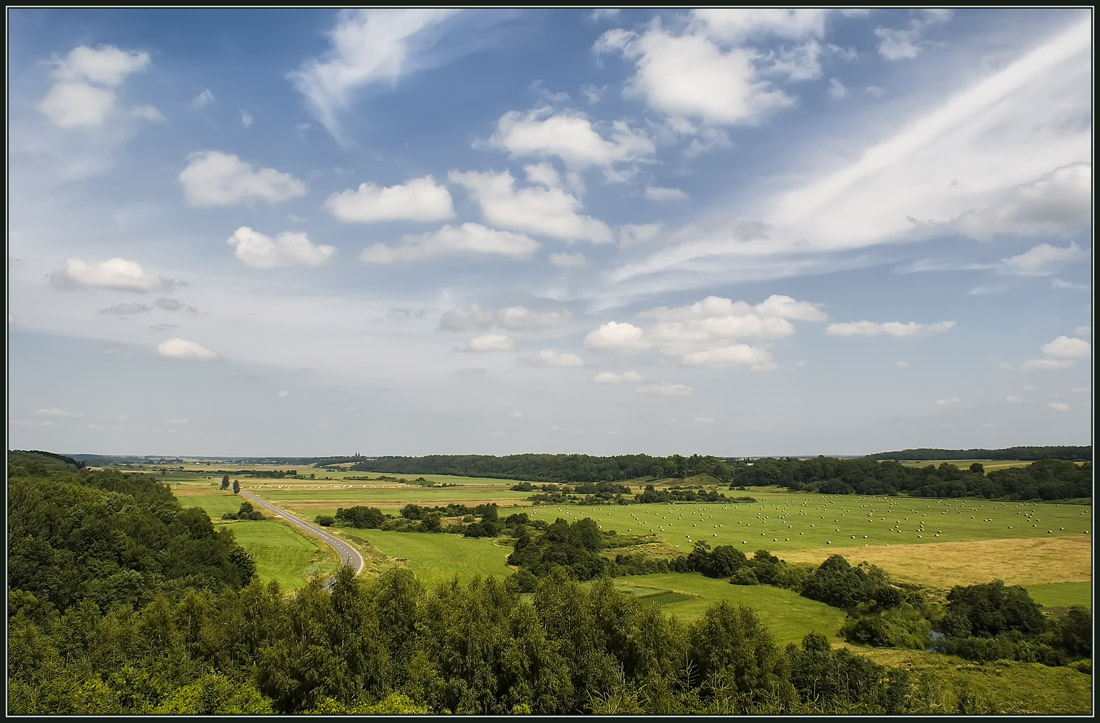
(437, 557)
(787, 614)
(1062, 594)
(283, 554)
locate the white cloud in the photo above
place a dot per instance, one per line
(1053, 203)
(659, 193)
(892, 328)
(182, 349)
(633, 234)
(212, 178)
(1065, 347)
(543, 174)
(466, 318)
(551, 358)
(738, 24)
(568, 261)
(469, 238)
(797, 63)
(705, 420)
(837, 90)
(84, 92)
(515, 415)
(874, 91)
(901, 364)
(906, 42)
(664, 389)
(246, 119)
(1059, 406)
(289, 248)
(58, 413)
(519, 318)
(616, 336)
(491, 342)
(283, 394)
(203, 99)
(1062, 284)
(733, 355)
(1033, 365)
(1013, 399)
(569, 136)
(950, 401)
(613, 378)
(547, 211)
(118, 273)
(146, 112)
(368, 47)
(126, 309)
(420, 199)
(690, 76)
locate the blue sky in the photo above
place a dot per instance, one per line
(413, 231)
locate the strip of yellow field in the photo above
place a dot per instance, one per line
(1025, 561)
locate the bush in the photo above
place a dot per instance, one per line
(325, 520)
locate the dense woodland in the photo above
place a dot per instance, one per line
(1029, 454)
(121, 602)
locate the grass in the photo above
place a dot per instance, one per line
(437, 557)
(283, 554)
(1062, 594)
(787, 614)
(1017, 687)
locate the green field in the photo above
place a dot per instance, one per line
(436, 557)
(282, 553)
(787, 614)
(1062, 594)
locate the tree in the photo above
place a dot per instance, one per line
(225, 482)
(236, 486)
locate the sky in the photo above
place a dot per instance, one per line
(738, 232)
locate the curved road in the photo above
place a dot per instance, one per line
(348, 554)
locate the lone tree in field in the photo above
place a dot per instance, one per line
(225, 482)
(236, 486)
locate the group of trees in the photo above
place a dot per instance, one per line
(1047, 479)
(561, 468)
(1072, 453)
(246, 512)
(389, 645)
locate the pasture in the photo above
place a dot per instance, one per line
(1062, 594)
(437, 557)
(282, 553)
(788, 615)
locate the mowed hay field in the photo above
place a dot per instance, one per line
(434, 557)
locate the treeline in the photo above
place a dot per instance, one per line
(391, 646)
(1046, 479)
(107, 537)
(1029, 454)
(560, 468)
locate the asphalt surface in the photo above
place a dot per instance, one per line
(348, 554)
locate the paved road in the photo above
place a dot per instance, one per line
(348, 554)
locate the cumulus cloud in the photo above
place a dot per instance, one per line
(891, 328)
(491, 342)
(177, 348)
(568, 261)
(613, 378)
(616, 336)
(689, 76)
(519, 318)
(837, 89)
(1042, 259)
(466, 318)
(213, 178)
(1061, 353)
(538, 210)
(727, 356)
(58, 413)
(203, 99)
(126, 309)
(1056, 202)
(571, 137)
(118, 273)
(290, 248)
(551, 358)
(906, 42)
(664, 389)
(659, 193)
(420, 199)
(367, 47)
(469, 238)
(1059, 406)
(246, 119)
(84, 91)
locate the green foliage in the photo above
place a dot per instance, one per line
(573, 547)
(325, 520)
(839, 584)
(360, 517)
(1025, 453)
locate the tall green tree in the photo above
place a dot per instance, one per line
(236, 486)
